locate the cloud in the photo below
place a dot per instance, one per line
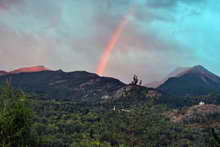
(170, 3)
(7, 4)
(72, 34)
(22, 50)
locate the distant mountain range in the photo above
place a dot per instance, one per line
(85, 86)
(192, 81)
(43, 82)
(79, 85)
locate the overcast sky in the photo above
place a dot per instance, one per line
(72, 34)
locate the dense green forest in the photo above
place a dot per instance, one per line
(131, 122)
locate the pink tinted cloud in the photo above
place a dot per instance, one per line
(7, 4)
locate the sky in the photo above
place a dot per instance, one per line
(160, 35)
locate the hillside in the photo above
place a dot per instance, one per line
(204, 116)
(129, 116)
(2, 72)
(65, 85)
(176, 72)
(194, 81)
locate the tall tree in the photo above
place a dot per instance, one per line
(15, 118)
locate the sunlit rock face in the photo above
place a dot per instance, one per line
(30, 69)
(25, 70)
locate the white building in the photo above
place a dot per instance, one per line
(202, 103)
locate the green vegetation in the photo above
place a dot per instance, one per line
(178, 101)
(131, 122)
(15, 119)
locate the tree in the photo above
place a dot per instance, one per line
(15, 119)
(135, 80)
(215, 136)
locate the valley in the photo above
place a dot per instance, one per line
(83, 109)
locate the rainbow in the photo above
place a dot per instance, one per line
(111, 44)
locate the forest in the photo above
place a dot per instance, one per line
(26, 121)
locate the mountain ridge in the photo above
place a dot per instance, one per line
(63, 85)
(25, 70)
(156, 84)
(29, 69)
(193, 81)
(2, 72)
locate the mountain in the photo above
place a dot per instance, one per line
(78, 85)
(156, 84)
(192, 81)
(29, 69)
(25, 70)
(2, 72)
(178, 71)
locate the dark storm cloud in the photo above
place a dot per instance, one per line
(170, 3)
(164, 10)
